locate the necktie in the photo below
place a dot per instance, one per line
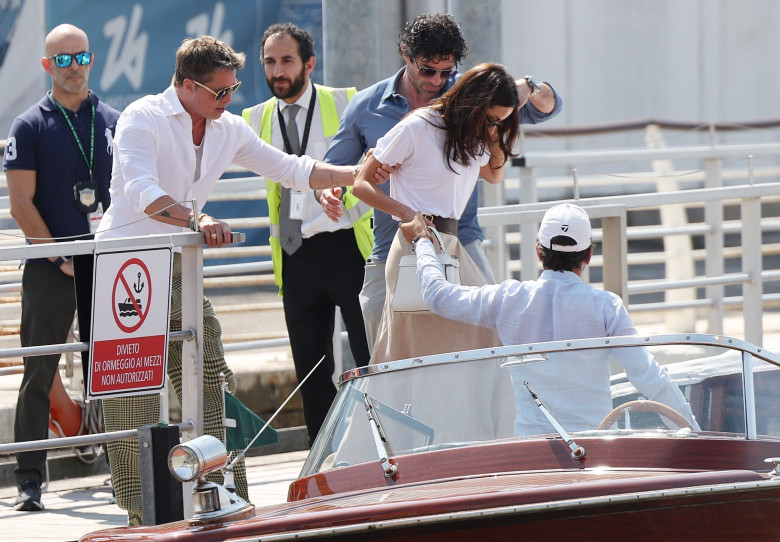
(290, 229)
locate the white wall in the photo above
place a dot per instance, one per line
(627, 59)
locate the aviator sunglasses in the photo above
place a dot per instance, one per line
(430, 72)
(64, 60)
(220, 94)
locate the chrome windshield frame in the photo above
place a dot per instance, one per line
(562, 346)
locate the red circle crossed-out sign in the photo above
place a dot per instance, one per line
(129, 306)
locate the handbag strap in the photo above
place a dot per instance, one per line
(438, 238)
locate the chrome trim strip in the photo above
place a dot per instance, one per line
(519, 510)
(567, 345)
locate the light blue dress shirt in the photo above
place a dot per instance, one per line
(556, 306)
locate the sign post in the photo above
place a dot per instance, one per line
(131, 305)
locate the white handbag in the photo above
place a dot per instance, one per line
(407, 296)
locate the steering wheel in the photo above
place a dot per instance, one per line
(645, 406)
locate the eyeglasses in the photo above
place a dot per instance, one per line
(64, 60)
(219, 95)
(430, 72)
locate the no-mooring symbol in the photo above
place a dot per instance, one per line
(130, 301)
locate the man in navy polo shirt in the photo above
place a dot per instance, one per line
(58, 165)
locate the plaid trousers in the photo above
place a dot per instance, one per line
(123, 413)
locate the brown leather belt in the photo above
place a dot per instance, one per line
(444, 225)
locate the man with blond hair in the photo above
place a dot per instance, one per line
(170, 149)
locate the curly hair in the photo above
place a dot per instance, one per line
(305, 41)
(432, 36)
(199, 58)
(557, 260)
(464, 110)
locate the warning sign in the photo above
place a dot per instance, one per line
(129, 339)
(131, 304)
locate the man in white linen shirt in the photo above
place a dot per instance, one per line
(170, 149)
(556, 306)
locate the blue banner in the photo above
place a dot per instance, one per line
(9, 14)
(135, 42)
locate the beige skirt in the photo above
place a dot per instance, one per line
(403, 335)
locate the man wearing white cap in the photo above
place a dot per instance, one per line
(556, 306)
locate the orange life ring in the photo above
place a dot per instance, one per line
(64, 412)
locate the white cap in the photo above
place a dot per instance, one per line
(568, 220)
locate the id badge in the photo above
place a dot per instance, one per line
(297, 201)
(86, 197)
(94, 218)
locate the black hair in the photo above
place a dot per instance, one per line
(305, 41)
(464, 110)
(432, 36)
(557, 260)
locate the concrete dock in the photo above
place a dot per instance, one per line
(79, 506)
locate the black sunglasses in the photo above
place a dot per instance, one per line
(63, 60)
(220, 94)
(494, 123)
(430, 72)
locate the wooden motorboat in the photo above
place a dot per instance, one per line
(433, 448)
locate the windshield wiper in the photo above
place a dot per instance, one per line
(380, 439)
(577, 452)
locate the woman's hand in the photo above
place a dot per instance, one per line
(330, 199)
(417, 227)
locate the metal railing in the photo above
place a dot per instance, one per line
(614, 237)
(529, 182)
(191, 245)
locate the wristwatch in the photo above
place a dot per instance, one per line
(534, 84)
(60, 260)
(425, 235)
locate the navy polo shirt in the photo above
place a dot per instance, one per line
(41, 140)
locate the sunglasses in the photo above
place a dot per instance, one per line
(430, 72)
(494, 123)
(219, 95)
(65, 59)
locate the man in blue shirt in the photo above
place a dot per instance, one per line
(431, 45)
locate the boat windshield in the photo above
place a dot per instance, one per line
(676, 385)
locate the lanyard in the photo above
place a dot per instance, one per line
(91, 160)
(309, 115)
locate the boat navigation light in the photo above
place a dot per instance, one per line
(196, 458)
(192, 461)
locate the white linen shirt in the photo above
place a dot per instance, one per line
(154, 156)
(557, 306)
(424, 180)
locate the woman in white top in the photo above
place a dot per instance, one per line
(438, 152)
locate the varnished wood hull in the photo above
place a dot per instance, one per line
(626, 489)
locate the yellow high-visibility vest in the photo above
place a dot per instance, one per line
(332, 102)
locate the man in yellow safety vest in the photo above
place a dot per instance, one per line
(318, 263)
